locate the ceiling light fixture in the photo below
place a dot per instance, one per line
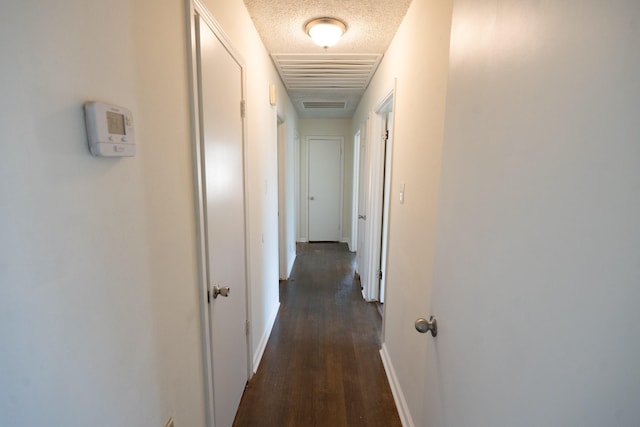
(325, 32)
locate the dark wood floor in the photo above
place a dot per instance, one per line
(321, 366)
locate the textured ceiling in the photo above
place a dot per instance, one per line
(371, 24)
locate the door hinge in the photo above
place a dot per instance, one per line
(247, 327)
(386, 135)
(243, 108)
(208, 296)
(379, 274)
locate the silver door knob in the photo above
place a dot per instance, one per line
(312, 198)
(223, 291)
(423, 326)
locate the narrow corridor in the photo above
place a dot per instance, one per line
(321, 366)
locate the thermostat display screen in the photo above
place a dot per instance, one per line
(115, 123)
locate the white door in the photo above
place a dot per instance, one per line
(361, 254)
(223, 177)
(325, 189)
(537, 262)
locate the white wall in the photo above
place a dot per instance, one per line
(99, 295)
(99, 306)
(538, 256)
(326, 127)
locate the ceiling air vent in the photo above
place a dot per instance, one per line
(324, 104)
(338, 71)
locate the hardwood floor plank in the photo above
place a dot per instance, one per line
(321, 366)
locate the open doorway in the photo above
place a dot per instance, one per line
(377, 188)
(282, 224)
(286, 198)
(387, 116)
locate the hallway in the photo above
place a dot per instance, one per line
(321, 366)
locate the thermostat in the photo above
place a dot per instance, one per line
(109, 130)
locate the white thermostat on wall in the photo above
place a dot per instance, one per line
(110, 130)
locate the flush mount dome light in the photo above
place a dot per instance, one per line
(325, 32)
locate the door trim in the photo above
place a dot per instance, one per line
(340, 139)
(196, 8)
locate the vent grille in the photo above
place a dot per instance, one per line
(322, 71)
(324, 104)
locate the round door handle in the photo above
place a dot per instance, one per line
(312, 198)
(362, 217)
(423, 326)
(222, 291)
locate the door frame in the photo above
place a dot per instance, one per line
(376, 188)
(386, 197)
(340, 139)
(197, 8)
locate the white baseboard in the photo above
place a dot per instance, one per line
(396, 390)
(262, 345)
(350, 243)
(366, 292)
(303, 240)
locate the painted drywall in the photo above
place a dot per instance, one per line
(99, 313)
(538, 254)
(418, 59)
(326, 127)
(100, 297)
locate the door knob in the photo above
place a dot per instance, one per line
(424, 325)
(223, 291)
(362, 217)
(312, 198)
